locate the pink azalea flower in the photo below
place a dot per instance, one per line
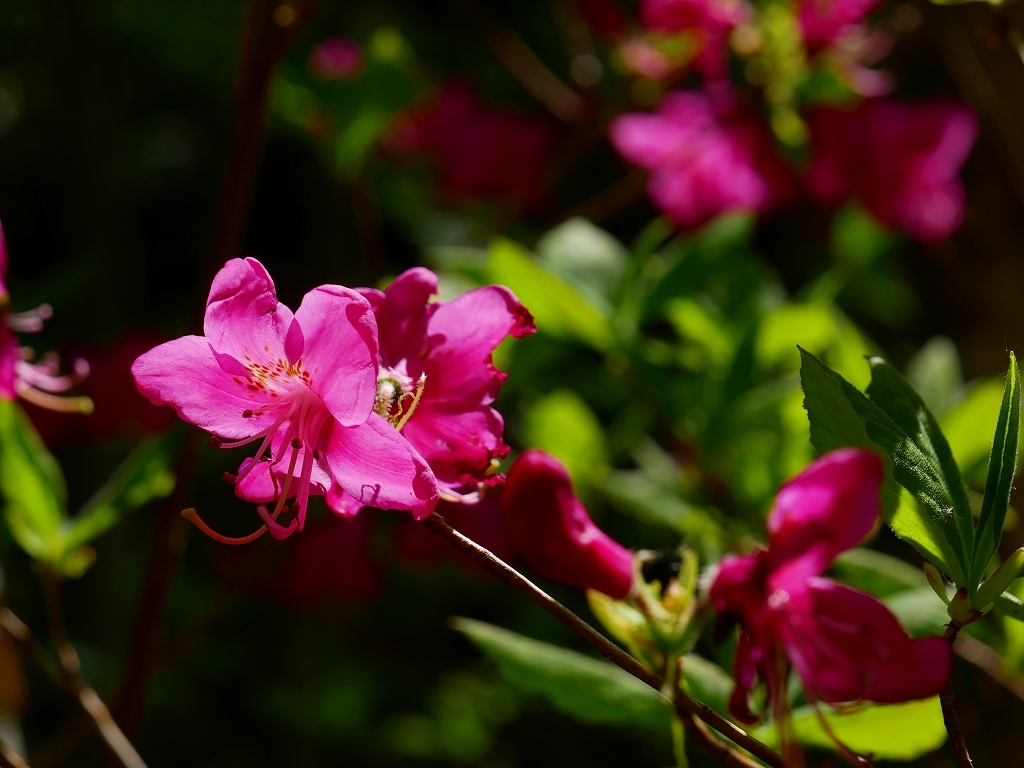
(825, 21)
(901, 159)
(479, 151)
(303, 384)
(549, 527)
(336, 57)
(37, 383)
(845, 645)
(710, 21)
(705, 157)
(437, 382)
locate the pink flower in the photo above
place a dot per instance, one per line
(479, 151)
(336, 57)
(705, 156)
(36, 383)
(550, 528)
(437, 381)
(901, 159)
(825, 21)
(710, 21)
(304, 384)
(845, 645)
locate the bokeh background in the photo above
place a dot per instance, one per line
(663, 372)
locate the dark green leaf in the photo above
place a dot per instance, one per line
(939, 472)
(590, 690)
(877, 573)
(1002, 467)
(31, 481)
(841, 416)
(1010, 606)
(707, 682)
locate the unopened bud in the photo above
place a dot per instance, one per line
(1001, 579)
(936, 582)
(960, 609)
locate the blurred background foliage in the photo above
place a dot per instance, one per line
(664, 372)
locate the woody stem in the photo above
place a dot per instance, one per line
(952, 722)
(690, 711)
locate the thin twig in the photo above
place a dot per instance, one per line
(703, 738)
(524, 65)
(685, 704)
(9, 758)
(74, 686)
(956, 733)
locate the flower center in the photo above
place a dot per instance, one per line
(397, 396)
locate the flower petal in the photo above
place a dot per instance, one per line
(458, 444)
(243, 316)
(185, 375)
(10, 354)
(847, 646)
(340, 351)
(378, 468)
(401, 311)
(828, 508)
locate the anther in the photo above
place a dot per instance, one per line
(296, 443)
(316, 454)
(246, 414)
(228, 478)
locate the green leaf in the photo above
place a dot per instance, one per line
(707, 682)
(557, 308)
(562, 424)
(587, 258)
(937, 477)
(969, 427)
(890, 732)
(876, 573)
(936, 375)
(919, 610)
(143, 476)
(590, 690)
(1002, 467)
(842, 416)
(1010, 606)
(31, 482)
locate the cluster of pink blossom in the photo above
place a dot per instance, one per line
(364, 397)
(38, 383)
(709, 156)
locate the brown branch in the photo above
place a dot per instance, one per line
(952, 722)
(74, 685)
(703, 738)
(539, 81)
(685, 705)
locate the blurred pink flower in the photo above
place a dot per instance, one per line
(37, 383)
(902, 160)
(845, 644)
(303, 383)
(549, 527)
(336, 57)
(710, 21)
(825, 21)
(479, 151)
(437, 379)
(706, 157)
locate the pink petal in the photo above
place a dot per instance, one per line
(745, 673)
(341, 504)
(458, 444)
(847, 646)
(378, 468)
(340, 351)
(336, 57)
(551, 529)
(401, 312)
(462, 334)
(244, 319)
(650, 141)
(10, 354)
(185, 375)
(826, 509)
(264, 481)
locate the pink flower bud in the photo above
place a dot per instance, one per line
(336, 57)
(550, 528)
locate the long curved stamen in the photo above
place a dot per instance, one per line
(415, 401)
(287, 480)
(43, 375)
(31, 321)
(303, 494)
(255, 459)
(193, 517)
(262, 433)
(81, 404)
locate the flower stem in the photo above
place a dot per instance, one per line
(956, 734)
(691, 711)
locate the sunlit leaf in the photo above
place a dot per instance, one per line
(590, 690)
(969, 428)
(890, 732)
(585, 257)
(31, 481)
(919, 610)
(842, 416)
(556, 307)
(880, 574)
(1001, 470)
(936, 375)
(707, 682)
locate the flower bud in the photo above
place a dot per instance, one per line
(936, 582)
(550, 528)
(1000, 580)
